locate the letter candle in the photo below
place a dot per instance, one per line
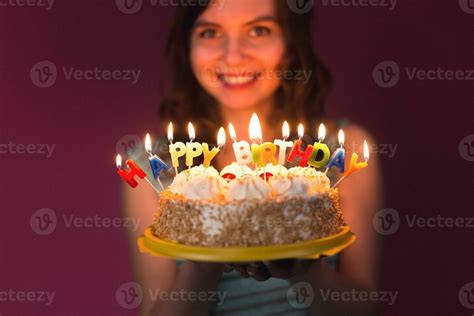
(177, 150)
(129, 176)
(354, 165)
(296, 150)
(337, 159)
(242, 152)
(209, 155)
(193, 150)
(157, 165)
(255, 133)
(319, 146)
(283, 144)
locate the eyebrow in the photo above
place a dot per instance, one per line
(202, 23)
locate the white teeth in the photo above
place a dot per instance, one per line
(237, 79)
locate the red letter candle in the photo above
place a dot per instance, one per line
(129, 176)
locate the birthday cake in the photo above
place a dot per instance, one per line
(244, 207)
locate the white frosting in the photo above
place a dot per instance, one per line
(274, 169)
(291, 186)
(307, 172)
(236, 170)
(248, 187)
(204, 187)
(181, 180)
(318, 179)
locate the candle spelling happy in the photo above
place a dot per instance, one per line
(157, 165)
(209, 155)
(177, 150)
(193, 150)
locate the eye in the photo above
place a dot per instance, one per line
(260, 31)
(208, 33)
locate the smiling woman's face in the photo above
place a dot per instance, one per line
(236, 50)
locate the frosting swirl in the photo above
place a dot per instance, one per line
(290, 186)
(248, 187)
(204, 187)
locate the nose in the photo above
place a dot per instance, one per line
(234, 53)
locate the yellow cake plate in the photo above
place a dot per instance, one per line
(328, 246)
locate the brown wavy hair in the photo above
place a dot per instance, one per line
(295, 100)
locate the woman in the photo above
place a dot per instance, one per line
(229, 59)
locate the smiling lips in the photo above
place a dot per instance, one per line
(238, 80)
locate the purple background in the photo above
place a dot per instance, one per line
(84, 120)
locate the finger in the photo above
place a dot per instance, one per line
(281, 269)
(242, 270)
(259, 272)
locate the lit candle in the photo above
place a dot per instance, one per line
(297, 152)
(177, 150)
(193, 150)
(283, 144)
(354, 165)
(262, 153)
(242, 152)
(319, 146)
(337, 159)
(134, 170)
(210, 154)
(157, 165)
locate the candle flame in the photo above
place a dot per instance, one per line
(170, 132)
(300, 131)
(286, 130)
(221, 137)
(118, 161)
(232, 132)
(321, 132)
(366, 151)
(255, 130)
(341, 137)
(148, 143)
(191, 131)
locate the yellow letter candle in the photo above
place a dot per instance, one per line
(177, 150)
(283, 144)
(209, 155)
(193, 150)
